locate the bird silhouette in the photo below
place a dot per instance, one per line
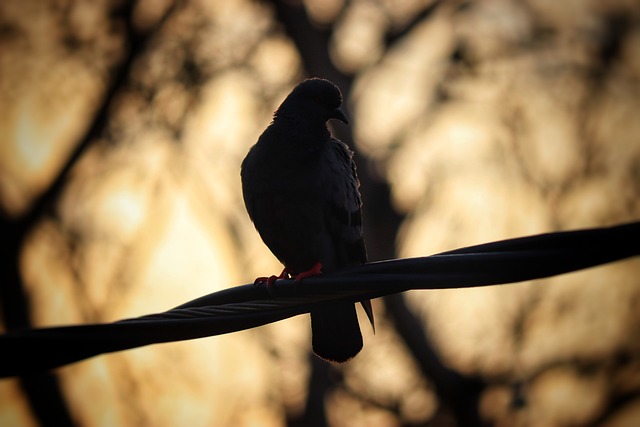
(300, 188)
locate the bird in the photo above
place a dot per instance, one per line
(301, 190)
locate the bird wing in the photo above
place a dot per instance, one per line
(343, 215)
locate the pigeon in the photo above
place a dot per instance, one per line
(300, 188)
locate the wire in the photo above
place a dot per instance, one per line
(514, 260)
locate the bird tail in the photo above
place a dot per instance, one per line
(336, 332)
(366, 304)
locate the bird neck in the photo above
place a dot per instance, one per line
(300, 127)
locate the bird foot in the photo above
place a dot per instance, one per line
(269, 281)
(313, 271)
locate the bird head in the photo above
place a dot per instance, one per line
(313, 100)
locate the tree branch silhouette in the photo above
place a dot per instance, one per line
(42, 390)
(382, 222)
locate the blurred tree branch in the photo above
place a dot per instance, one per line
(458, 392)
(461, 393)
(42, 390)
(393, 36)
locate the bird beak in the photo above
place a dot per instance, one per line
(339, 114)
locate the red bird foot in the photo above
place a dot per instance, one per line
(313, 271)
(269, 281)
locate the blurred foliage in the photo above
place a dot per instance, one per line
(123, 126)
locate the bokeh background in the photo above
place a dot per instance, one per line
(123, 126)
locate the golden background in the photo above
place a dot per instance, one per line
(123, 126)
